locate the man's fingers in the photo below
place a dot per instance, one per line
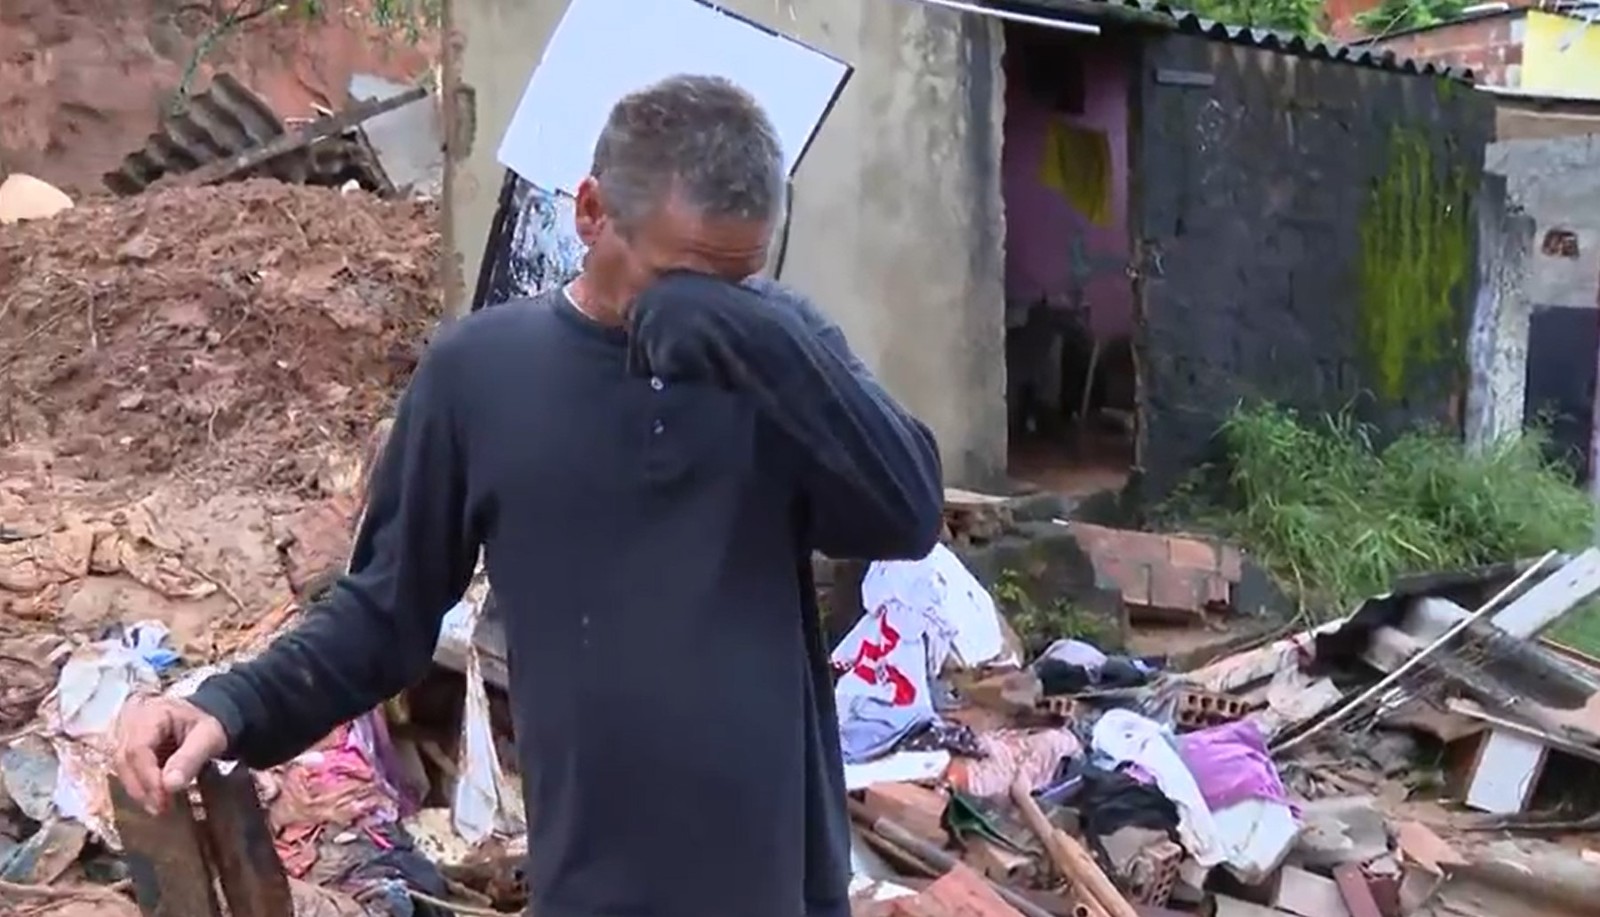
(140, 773)
(140, 735)
(203, 742)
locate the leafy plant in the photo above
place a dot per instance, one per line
(1338, 518)
(1299, 17)
(412, 18)
(1040, 625)
(1392, 16)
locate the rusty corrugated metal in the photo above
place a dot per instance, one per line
(1360, 55)
(225, 120)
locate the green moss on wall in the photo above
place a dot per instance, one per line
(1415, 244)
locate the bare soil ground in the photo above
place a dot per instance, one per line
(187, 381)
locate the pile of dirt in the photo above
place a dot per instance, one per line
(221, 332)
(189, 381)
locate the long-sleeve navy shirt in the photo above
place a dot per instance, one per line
(647, 504)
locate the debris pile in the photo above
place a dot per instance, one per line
(143, 335)
(194, 383)
(1329, 773)
(1387, 763)
(186, 381)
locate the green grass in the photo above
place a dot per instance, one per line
(1581, 629)
(1337, 518)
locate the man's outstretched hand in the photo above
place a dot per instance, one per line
(161, 744)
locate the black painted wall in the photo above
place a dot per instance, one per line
(1562, 343)
(1251, 170)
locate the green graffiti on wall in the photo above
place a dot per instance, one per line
(1415, 244)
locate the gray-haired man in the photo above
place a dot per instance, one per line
(647, 459)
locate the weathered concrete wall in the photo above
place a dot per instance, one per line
(897, 229)
(1252, 195)
(1497, 349)
(1557, 182)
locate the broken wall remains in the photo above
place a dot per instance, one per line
(1255, 181)
(1498, 346)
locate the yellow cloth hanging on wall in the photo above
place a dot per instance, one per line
(1077, 163)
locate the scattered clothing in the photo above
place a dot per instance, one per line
(1128, 738)
(1077, 164)
(1085, 656)
(940, 735)
(1231, 764)
(920, 615)
(1110, 801)
(334, 785)
(1058, 676)
(1010, 755)
(969, 816)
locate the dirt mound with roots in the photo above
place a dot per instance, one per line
(188, 381)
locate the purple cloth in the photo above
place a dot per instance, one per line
(1231, 764)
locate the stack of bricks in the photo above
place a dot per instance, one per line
(1199, 709)
(1153, 874)
(1163, 574)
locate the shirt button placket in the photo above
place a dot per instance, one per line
(657, 427)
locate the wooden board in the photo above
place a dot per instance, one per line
(165, 858)
(247, 863)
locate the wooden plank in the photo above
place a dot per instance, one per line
(961, 892)
(1357, 894)
(916, 808)
(248, 868)
(1552, 597)
(1526, 730)
(165, 858)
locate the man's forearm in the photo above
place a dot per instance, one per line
(337, 664)
(374, 635)
(872, 474)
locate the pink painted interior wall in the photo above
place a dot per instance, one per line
(1040, 223)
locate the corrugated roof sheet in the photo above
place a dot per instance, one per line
(1193, 23)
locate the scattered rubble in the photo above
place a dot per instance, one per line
(985, 779)
(187, 378)
(1279, 780)
(193, 383)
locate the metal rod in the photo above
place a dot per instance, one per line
(1063, 25)
(1400, 671)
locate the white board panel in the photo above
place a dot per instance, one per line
(604, 49)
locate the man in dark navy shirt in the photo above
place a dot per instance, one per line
(646, 459)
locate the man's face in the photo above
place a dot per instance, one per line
(623, 261)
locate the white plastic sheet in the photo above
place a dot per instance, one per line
(486, 802)
(590, 63)
(100, 679)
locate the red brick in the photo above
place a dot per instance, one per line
(1136, 547)
(1192, 554)
(962, 892)
(1357, 895)
(1218, 591)
(1130, 577)
(1176, 589)
(1091, 536)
